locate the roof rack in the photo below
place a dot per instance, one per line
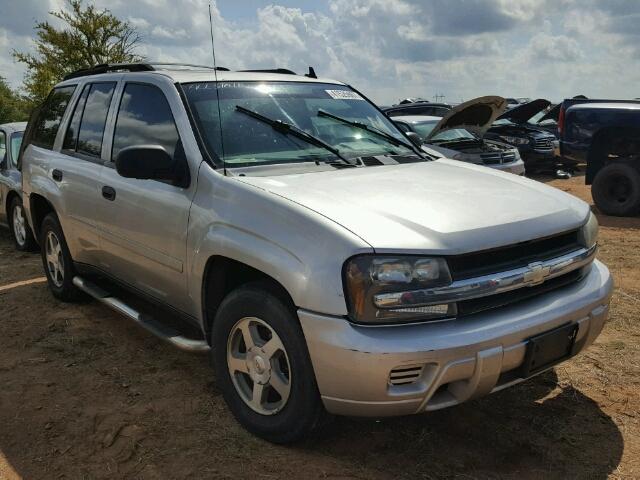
(151, 66)
(188, 65)
(110, 67)
(283, 71)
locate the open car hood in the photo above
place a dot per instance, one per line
(475, 115)
(522, 113)
(552, 114)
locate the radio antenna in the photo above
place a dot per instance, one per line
(215, 73)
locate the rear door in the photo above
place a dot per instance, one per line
(78, 167)
(143, 223)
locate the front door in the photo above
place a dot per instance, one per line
(143, 223)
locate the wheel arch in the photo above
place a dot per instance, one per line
(39, 208)
(610, 140)
(222, 275)
(8, 201)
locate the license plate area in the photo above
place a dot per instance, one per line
(548, 349)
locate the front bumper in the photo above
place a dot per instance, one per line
(458, 359)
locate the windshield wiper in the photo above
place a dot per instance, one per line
(289, 129)
(390, 138)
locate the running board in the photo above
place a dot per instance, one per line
(153, 326)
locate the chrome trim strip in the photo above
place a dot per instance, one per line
(529, 276)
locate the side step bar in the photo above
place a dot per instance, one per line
(158, 329)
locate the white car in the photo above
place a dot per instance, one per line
(459, 134)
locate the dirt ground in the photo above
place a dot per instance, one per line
(86, 394)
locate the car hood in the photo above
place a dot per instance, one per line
(522, 113)
(442, 206)
(475, 115)
(552, 114)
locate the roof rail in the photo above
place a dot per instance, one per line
(283, 71)
(110, 67)
(188, 65)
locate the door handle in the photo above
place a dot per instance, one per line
(56, 175)
(109, 193)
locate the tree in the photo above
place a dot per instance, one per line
(13, 107)
(90, 37)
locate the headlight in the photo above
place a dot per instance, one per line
(515, 140)
(589, 232)
(391, 288)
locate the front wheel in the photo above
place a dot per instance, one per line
(22, 237)
(263, 367)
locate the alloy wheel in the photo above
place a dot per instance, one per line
(259, 366)
(19, 225)
(55, 262)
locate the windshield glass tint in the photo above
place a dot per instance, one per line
(16, 140)
(247, 141)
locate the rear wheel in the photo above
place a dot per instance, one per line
(57, 261)
(616, 190)
(20, 231)
(263, 367)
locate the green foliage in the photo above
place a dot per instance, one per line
(13, 107)
(90, 37)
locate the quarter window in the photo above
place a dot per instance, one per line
(144, 118)
(94, 118)
(48, 120)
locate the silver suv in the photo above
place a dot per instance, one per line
(325, 261)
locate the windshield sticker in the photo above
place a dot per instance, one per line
(344, 95)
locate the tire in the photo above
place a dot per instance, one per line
(616, 190)
(279, 422)
(20, 232)
(57, 261)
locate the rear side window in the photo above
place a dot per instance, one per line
(144, 118)
(94, 118)
(86, 128)
(48, 120)
(71, 136)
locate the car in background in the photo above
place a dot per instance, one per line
(418, 108)
(536, 146)
(11, 210)
(605, 134)
(459, 134)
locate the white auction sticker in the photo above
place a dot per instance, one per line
(344, 95)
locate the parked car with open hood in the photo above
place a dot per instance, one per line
(11, 209)
(536, 146)
(460, 134)
(418, 108)
(326, 263)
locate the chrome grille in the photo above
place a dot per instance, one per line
(545, 143)
(497, 158)
(508, 157)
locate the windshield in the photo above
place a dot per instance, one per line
(424, 129)
(247, 141)
(16, 140)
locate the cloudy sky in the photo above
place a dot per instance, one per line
(389, 49)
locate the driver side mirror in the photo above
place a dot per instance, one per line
(146, 162)
(415, 138)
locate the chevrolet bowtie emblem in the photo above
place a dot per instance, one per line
(537, 273)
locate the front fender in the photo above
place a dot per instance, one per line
(299, 248)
